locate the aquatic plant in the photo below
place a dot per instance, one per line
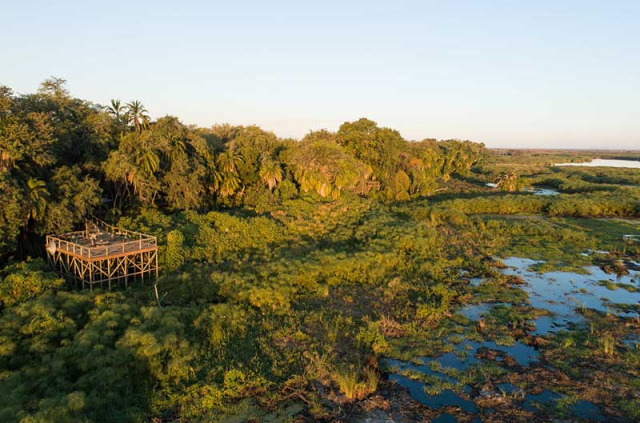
(355, 383)
(608, 344)
(347, 379)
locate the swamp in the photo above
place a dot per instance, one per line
(352, 276)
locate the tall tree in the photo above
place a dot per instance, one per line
(326, 168)
(227, 164)
(229, 160)
(118, 111)
(54, 87)
(133, 166)
(507, 181)
(377, 147)
(26, 134)
(37, 197)
(138, 114)
(270, 172)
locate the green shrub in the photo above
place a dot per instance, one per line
(175, 254)
(24, 280)
(347, 379)
(371, 339)
(287, 190)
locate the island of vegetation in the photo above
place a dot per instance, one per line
(348, 276)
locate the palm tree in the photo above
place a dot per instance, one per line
(228, 185)
(119, 112)
(270, 172)
(148, 161)
(213, 174)
(325, 167)
(37, 197)
(214, 178)
(138, 114)
(228, 180)
(229, 160)
(139, 173)
(507, 181)
(116, 109)
(177, 148)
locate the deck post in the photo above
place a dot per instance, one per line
(84, 268)
(109, 273)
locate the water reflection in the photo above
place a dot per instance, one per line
(561, 293)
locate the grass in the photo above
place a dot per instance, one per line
(608, 345)
(612, 286)
(356, 383)
(608, 231)
(347, 380)
(631, 407)
(371, 381)
(301, 296)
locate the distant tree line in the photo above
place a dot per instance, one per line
(62, 158)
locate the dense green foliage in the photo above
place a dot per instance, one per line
(62, 158)
(23, 280)
(289, 268)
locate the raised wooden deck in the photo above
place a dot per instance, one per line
(103, 253)
(100, 241)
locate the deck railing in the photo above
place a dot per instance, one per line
(114, 230)
(133, 241)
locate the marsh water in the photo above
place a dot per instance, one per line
(542, 191)
(533, 190)
(635, 164)
(560, 295)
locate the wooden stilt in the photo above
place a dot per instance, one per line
(109, 272)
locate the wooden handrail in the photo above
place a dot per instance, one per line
(111, 229)
(133, 241)
(103, 250)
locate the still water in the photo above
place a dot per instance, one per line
(560, 293)
(605, 163)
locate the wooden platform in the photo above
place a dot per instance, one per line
(103, 253)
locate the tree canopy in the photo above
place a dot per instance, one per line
(63, 158)
(290, 268)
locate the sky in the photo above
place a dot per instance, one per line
(535, 74)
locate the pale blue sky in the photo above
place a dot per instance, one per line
(508, 73)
